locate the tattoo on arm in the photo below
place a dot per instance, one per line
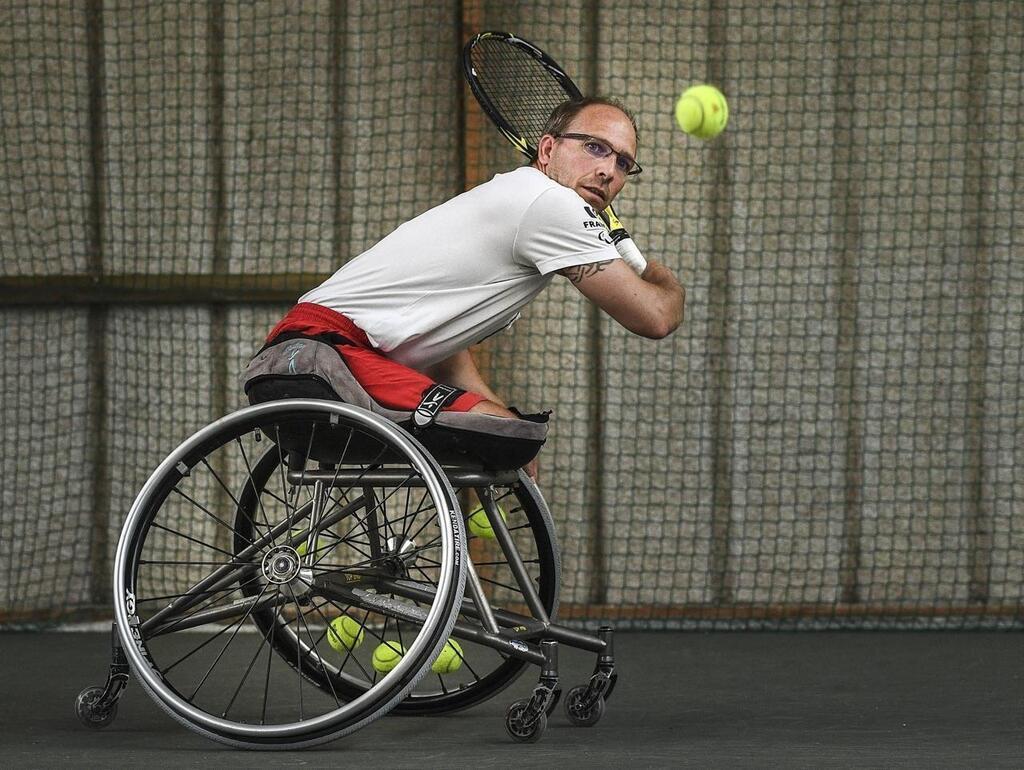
(577, 273)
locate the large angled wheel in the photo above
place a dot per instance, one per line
(474, 672)
(279, 528)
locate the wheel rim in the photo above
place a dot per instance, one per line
(180, 671)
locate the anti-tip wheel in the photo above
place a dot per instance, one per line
(519, 728)
(85, 709)
(578, 713)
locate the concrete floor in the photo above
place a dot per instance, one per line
(683, 700)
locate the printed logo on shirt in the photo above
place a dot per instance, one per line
(594, 222)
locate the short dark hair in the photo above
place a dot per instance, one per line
(560, 117)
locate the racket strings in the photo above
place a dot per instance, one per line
(518, 86)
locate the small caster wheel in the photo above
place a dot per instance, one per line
(519, 728)
(85, 709)
(578, 714)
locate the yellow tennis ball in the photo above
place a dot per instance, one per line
(344, 634)
(702, 111)
(480, 525)
(318, 547)
(387, 655)
(449, 659)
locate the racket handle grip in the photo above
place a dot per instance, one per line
(623, 242)
(631, 255)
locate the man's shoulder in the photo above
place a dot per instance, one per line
(512, 195)
(560, 229)
(543, 197)
(530, 182)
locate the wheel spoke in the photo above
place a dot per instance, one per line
(252, 484)
(192, 539)
(298, 651)
(264, 641)
(282, 465)
(165, 626)
(435, 543)
(237, 626)
(192, 563)
(212, 515)
(296, 489)
(189, 654)
(266, 681)
(316, 651)
(515, 589)
(330, 550)
(503, 563)
(227, 491)
(366, 630)
(407, 519)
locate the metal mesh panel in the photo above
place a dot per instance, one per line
(831, 439)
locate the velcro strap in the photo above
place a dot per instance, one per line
(435, 398)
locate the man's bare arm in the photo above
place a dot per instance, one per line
(650, 305)
(577, 273)
(460, 370)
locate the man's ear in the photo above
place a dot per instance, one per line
(544, 147)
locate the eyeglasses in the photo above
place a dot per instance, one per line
(598, 148)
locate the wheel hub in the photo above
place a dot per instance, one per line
(401, 557)
(281, 564)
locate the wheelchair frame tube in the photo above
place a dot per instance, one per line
(413, 614)
(534, 627)
(240, 607)
(386, 477)
(486, 614)
(515, 561)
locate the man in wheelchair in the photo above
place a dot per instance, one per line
(403, 314)
(299, 568)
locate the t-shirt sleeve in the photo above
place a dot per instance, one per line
(559, 230)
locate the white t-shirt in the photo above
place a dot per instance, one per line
(462, 271)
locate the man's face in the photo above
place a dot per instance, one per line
(568, 161)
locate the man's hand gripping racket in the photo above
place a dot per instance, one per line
(518, 86)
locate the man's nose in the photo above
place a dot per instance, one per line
(607, 167)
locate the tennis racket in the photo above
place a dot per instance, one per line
(518, 85)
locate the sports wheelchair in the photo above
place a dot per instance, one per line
(273, 556)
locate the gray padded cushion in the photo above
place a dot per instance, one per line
(313, 357)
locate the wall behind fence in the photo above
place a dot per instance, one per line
(831, 439)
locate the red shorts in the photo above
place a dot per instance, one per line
(389, 383)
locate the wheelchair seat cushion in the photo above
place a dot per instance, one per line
(307, 367)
